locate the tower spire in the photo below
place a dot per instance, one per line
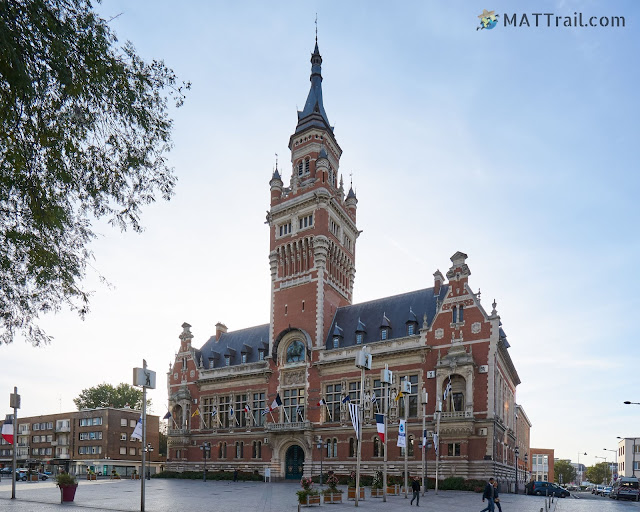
(313, 113)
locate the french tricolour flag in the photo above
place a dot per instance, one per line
(380, 425)
(7, 430)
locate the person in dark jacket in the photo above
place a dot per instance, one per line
(496, 498)
(415, 487)
(488, 495)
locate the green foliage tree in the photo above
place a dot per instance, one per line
(106, 395)
(564, 468)
(84, 132)
(599, 473)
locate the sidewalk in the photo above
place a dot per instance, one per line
(164, 495)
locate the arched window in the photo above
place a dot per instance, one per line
(378, 447)
(454, 313)
(300, 168)
(295, 352)
(306, 166)
(352, 447)
(332, 448)
(461, 313)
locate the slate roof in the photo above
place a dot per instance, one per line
(248, 340)
(313, 113)
(398, 310)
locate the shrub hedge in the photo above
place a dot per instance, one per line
(211, 475)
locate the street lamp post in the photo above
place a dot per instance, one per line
(363, 361)
(517, 452)
(616, 463)
(206, 448)
(579, 471)
(321, 446)
(149, 450)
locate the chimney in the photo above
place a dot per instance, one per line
(220, 330)
(438, 279)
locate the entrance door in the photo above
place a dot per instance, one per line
(294, 463)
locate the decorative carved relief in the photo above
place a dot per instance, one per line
(475, 327)
(439, 334)
(293, 378)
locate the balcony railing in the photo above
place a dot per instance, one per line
(282, 427)
(63, 456)
(63, 428)
(457, 415)
(179, 431)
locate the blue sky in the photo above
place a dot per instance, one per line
(516, 146)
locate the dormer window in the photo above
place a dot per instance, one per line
(410, 329)
(336, 342)
(359, 338)
(384, 333)
(244, 358)
(227, 360)
(337, 336)
(260, 355)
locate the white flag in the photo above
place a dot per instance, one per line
(137, 432)
(402, 435)
(355, 419)
(436, 443)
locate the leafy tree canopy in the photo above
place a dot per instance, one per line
(564, 468)
(84, 132)
(599, 473)
(106, 395)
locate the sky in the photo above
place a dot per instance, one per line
(515, 145)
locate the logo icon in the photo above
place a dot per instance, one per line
(488, 20)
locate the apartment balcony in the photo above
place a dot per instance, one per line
(63, 428)
(63, 456)
(54, 443)
(286, 427)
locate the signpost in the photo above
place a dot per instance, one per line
(14, 401)
(144, 378)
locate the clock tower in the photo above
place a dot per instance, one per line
(312, 227)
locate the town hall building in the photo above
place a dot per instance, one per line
(275, 395)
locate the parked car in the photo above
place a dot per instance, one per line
(5, 471)
(606, 491)
(597, 489)
(626, 488)
(43, 476)
(21, 474)
(540, 488)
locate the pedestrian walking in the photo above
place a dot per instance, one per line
(496, 498)
(235, 475)
(488, 495)
(415, 487)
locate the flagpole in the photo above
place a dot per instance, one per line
(363, 361)
(406, 446)
(329, 411)
(386, 378)
(437, 447)
(144, 437)
(424, 440)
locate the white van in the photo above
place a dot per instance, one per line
(627, 488)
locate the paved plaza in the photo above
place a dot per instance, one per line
(184, 495)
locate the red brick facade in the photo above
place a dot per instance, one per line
(306, 353)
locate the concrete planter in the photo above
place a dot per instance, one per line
(92, 477)
(67, 492)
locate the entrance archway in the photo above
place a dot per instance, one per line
(294, 463)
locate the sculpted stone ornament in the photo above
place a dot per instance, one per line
(439, 334)
(475, 327)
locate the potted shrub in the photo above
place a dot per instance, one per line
(332, 494)
(393, 489)
(376, 486)
(114, 475)
(351, 490)
(33, 475)
(68, 485)
(91, 475)
(135, 475)
(308, 495)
